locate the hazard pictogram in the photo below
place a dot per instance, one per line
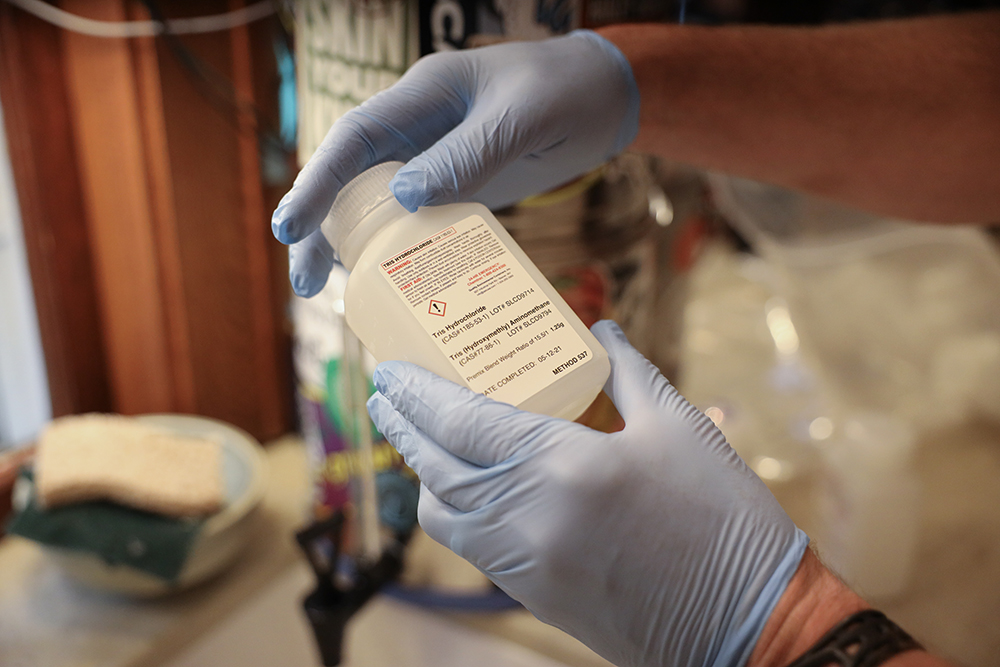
(437, 307)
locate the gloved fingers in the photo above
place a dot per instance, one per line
(347, 150)
(469, 534)
(635, 385)
(469, 425)
(458, 165)
(440, 521)
(309, 264)
(640, 392)
(461, 484)
(397, 123)
(532, 124)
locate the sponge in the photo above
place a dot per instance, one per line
(111, 457)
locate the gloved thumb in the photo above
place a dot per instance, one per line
(635, 385)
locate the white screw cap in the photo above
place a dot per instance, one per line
(356, 200)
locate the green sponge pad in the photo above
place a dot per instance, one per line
(119, 535)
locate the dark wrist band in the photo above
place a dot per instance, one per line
(864, 639)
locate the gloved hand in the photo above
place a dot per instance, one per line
(654, 546)
(494, 125)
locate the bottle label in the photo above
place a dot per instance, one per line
(484, 311)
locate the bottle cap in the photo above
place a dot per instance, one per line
(356, 200)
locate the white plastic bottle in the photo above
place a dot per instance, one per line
(447, 288)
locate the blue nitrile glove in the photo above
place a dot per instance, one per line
(655, 545)
(494, 125)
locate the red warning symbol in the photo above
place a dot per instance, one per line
(437, 307)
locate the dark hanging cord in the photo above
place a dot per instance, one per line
(212, 84)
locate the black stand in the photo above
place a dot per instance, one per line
(339, 595)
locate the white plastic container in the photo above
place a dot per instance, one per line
(447, 288)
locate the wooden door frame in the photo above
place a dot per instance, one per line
(119, 274)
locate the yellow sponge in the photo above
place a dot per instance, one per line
(110, 457)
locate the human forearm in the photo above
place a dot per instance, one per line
(814, 601)
(899, 117)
